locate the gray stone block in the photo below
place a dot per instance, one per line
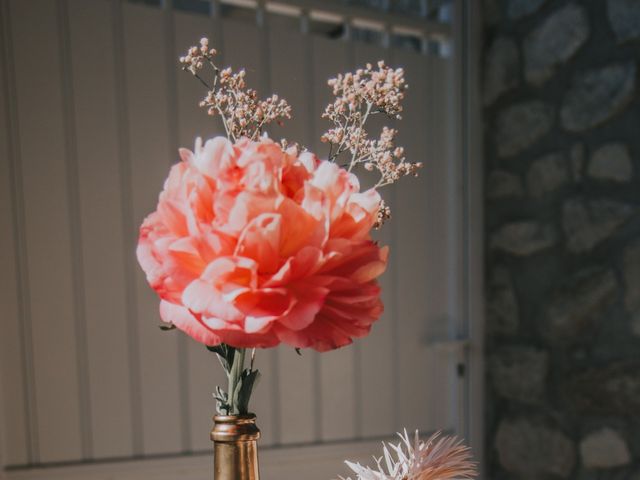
(501, 184)
(578, 305)
(531, 449)
(503, 315)
(523, 238)
(612, 389)
(604, 448)
(554, 42)
(611, 162)
(586, 223)
(521, 125)
(597, 95)
(547, 174)
(624, 16)
(519, 373)
(520, 8)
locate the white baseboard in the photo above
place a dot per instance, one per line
(321, 462)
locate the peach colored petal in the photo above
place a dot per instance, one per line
(215, 323)
(201, 298)
(185, 321)
(214, 156)
(314, 201)
(147, 259)
(186, 155)
(359, 217)
(310, 300)
(186, 253)
(263, 306)
(334, 182)
(309, 161)
(369, 271)
(259, 178)
(212, 244)
(241, 339)
(229, 273)
(200, 207)
(260, 240)
(299, 229)
(172, 216)
(246, 207)
(303, 264)
(295, 175)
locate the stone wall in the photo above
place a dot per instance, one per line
(562, 153)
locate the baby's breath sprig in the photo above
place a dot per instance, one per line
(242, 113)
(358, 95)
(368, 91)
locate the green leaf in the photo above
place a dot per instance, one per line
(224, 363)
(215, 349)
(221, 394)
(235, 399)
(298, 351)
(230, 354)
(222, 401)
(225, 354)
(249, 382)
(166, 328)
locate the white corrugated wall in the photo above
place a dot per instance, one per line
(93, 109)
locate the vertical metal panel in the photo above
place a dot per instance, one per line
(295, 372)
(128, 227)
(242, 49)
(75, 233)
(376, 366)
(337, 373)
(420, 220)
(446, 111)
(92, 48)
(468, 29)
(446, 188)
(150, 153)
(173, 129)
(203, 369)
(13, 378)
(45, 183)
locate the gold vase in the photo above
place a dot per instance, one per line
(235, 447)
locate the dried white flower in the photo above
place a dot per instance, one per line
(365, 92)
(242, 113)
(384, 214)
(442, 458)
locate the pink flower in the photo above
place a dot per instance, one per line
(252, 246)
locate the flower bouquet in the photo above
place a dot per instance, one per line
(255, 242)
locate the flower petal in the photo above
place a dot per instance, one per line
(202, 297)
(309, 302)
(185, 321)
(260, 240)
(215, 155)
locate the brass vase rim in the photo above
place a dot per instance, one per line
(238, 419)
(235, 428)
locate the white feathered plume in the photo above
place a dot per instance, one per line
(441, 458)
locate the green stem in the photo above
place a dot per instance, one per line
(241, 381)
(234, 379)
